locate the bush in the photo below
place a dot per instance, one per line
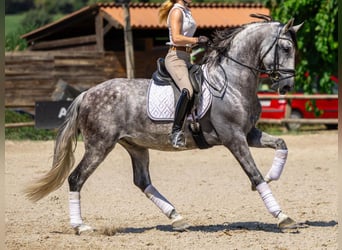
(18, 6)
(25, 133)
(32, 20)
(13, 42)
(35, 18)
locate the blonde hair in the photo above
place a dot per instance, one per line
(164, 10)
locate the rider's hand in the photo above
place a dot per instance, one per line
(203, 41)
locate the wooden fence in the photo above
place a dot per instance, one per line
(32, 76)
(287, 119)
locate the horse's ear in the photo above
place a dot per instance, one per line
(297, 27)
(288, 25)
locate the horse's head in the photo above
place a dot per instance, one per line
(278, 57)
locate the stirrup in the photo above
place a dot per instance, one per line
(177, 139)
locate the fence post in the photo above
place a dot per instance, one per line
(288, 108)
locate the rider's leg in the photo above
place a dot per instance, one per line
(177, 137)
(177, 63)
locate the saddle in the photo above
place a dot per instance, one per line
(162, 77)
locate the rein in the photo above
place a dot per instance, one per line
(273, 73)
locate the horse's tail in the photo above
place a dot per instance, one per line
(63, 159)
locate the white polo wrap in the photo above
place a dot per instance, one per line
(277, 165)
(269, 201)
(75, 209)
(159, 200)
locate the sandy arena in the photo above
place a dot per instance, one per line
(208, 187)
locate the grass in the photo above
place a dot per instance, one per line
(12, 22)
(25, 133)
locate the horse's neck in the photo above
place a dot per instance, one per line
(243, 56)
(246, 46)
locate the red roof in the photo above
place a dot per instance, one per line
(145, 16)
(207, 15)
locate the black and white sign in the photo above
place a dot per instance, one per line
(50, 114)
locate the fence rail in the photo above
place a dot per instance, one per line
(19, 124)
(290, 97)
(283, 121)
(299, 120)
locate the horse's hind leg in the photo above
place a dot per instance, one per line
(92, 158)
(141, 176)
(257, 138)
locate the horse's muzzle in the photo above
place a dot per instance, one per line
(282, 87)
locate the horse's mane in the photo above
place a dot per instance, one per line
(222, 39)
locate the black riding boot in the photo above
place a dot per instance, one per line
(177, 137)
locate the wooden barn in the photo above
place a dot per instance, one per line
(87, 47)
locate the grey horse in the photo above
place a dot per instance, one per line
(115, 111)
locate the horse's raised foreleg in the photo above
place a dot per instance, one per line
(141, 175)
(242, 153)
(257, 138)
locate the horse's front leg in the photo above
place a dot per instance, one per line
(240, 150)
(257, 138)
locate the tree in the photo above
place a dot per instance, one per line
(18, 6)
(32, 20)
(317, 40)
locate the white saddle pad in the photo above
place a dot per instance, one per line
(161, 102)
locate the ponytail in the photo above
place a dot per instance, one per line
(164, 11)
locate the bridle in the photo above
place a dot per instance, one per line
(275, 72)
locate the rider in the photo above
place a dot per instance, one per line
(176, 14)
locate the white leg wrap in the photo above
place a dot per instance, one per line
(75, 209)
(269, 201)
(159, 200)
(277, 165)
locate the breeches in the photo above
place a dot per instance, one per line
(176, 63)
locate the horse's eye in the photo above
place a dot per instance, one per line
(286, 49)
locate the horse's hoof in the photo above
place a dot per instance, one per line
(83, 228)
(285, 222)
(180, 224)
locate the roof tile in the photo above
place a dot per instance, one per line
(207, 15)
(145, 15)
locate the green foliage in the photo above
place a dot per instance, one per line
(317, 40)
(31, 20)
(12, 22)
(13, 42)
(18, 6)
(53, 7)
(89, 2)
(35, 18)
(25, 133)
